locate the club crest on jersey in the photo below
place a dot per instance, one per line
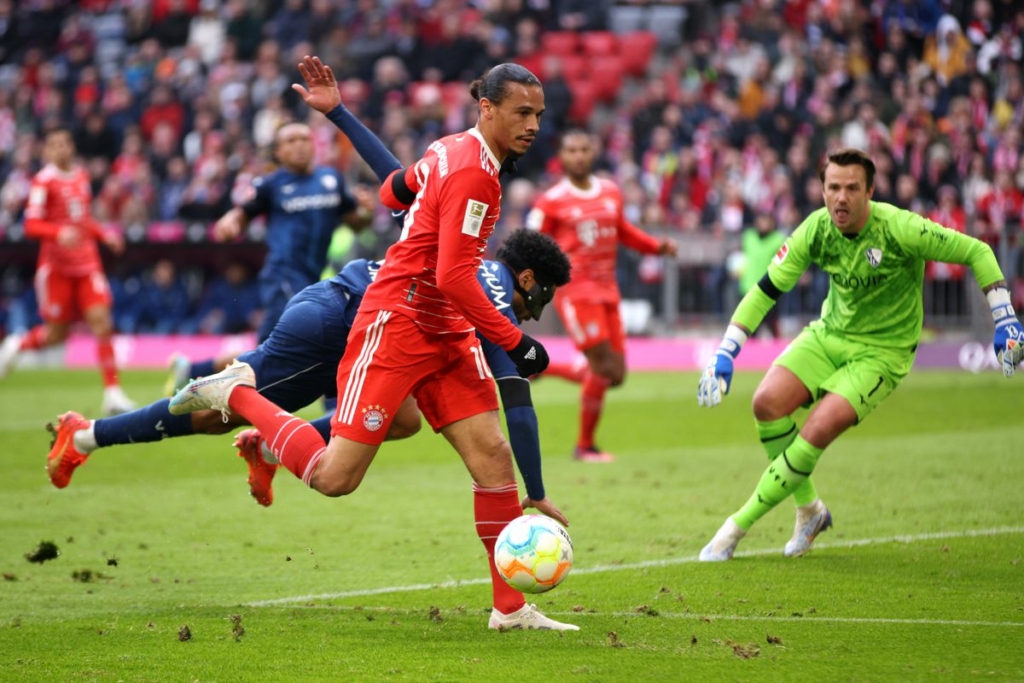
(329, 182)
(374, 417)
(781, 254)
(874, 256)
(474, 218)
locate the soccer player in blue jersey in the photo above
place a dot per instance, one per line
(303, 204)
(851, 359)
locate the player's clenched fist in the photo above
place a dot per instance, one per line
(530, 357)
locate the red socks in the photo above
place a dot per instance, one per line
(594, 388)
(493, 509)
(295, 443)
(108, 366)
(34, 339)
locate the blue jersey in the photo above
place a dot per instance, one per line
(302, 212)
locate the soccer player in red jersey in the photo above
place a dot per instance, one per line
(584, 215)
(69, 279)
(414, 334)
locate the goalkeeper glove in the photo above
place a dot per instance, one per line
(717, 376)
(1008, 341)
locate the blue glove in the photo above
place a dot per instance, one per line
(1008, 341)
(717, 376)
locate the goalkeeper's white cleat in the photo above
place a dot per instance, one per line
(723, 545)
(526, 617)
(212, 392)
(116, 402)
(9, 353)
(811, 520)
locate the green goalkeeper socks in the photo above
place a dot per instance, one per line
(776, 436)
(784, 476)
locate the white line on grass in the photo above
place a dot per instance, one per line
(697, 616)
(671, 561)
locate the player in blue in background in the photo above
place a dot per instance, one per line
(303, 204)
(298, 362)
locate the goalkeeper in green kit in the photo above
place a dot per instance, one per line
(857, 353)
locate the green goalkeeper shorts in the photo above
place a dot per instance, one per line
(863, 374)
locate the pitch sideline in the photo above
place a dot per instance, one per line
(934, 536)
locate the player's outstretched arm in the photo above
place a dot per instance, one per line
(321, 93)
(1008, 339)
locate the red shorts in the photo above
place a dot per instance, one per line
(63, 299)
(388, 357)
(588, 323)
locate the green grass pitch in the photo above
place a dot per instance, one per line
(922, 578)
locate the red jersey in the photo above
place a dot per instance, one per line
(56, 199)
(588, 225)
(429, 275)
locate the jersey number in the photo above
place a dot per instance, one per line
(481, 361)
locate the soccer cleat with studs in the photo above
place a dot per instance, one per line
(261, 472)
(592, 454)
(723, 545)
(526, 617)
(64, 458)
(212, 392)
(809, 523)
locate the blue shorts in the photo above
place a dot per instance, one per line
(298, 363)
(276, 289)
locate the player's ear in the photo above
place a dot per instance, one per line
(526, 278)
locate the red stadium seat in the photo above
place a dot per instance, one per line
(599, 43)
(559, 43)
(573, 67)
(607, 72)
(636, 49)
(454, 94)
(584, 99)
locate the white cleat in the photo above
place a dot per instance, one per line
(116, 402)
(811, 520)
(9, 353)
(212, 392)
(723, 545)
(177, 378)
(526, 617)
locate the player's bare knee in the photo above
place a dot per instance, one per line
(335, 485)
(403, 430)
(766, 406)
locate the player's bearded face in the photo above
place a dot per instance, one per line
(847, 196)
(59, 149)
(517, 119)
(577, 156)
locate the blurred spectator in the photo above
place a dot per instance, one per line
(207, 31)
(159, 306)
(230, 304)
(172, 28)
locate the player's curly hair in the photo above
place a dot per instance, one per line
(494, 83)
(524, 248)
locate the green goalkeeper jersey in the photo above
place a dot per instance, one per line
(876, 277)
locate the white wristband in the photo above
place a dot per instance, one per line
(999, 302)
(733, 340)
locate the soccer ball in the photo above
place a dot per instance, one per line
(533, 553)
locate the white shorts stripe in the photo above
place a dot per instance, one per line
(572, 323)
(354, 385)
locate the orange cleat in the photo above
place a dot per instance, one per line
(593, 454)
(63, 457)
(261, 472)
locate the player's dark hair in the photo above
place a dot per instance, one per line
(573, 132)
(59, 129)
(493, 85)
(524, 248)
(849, 156)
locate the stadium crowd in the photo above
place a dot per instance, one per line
(174, 102)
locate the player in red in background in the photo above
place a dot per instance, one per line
(584, 215)
(414, 332)
(69, 279)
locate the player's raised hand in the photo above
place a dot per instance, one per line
(547, 507)
(322, 94)
(229, 226)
